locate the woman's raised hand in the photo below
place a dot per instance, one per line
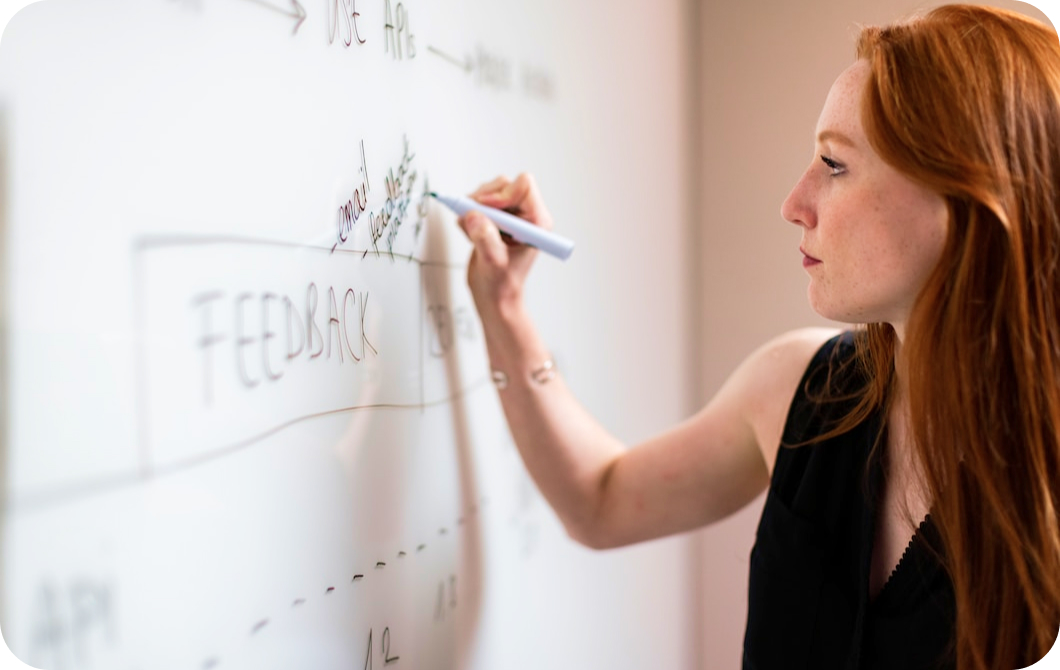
(498, 266)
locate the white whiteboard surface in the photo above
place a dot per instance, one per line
(247, 424)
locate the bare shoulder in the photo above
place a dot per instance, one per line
(767, 381)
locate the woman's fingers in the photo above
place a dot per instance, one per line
(520, 197)
(531, 206)
(486, 238)
(489, 187)
(498, 267)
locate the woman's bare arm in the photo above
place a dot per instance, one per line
(606, 494)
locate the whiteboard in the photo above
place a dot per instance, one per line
(247, 413)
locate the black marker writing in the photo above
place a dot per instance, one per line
(66, 624)
(447, 325)
(364, 335)
(334, 324)
(342, 18)
(441, 604)
(422, 209)
(352, 209)
(291, 320)
(387, 658)
(266, 335)
(310, 321)
(351, 297)
(345, 331)
(442, 340)
(537, 83)
(492, 70)
(399, 188)
(242, 341)
(397, 33)
(91, 610)
(208, 340)
(298, 12)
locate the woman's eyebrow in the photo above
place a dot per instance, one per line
(835, 136)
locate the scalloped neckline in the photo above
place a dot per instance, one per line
(903, 559)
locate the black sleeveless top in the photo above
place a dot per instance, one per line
(809, 604)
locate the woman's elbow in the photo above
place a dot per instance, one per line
(592, 536)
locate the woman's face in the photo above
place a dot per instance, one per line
(870, 235)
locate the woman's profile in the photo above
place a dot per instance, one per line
(912, 463)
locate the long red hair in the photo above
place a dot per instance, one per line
(966, 100)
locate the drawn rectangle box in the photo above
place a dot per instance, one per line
(238, 339)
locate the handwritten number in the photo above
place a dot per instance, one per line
(440, 604)
(368, 658)
(439, 609)
(387, 658)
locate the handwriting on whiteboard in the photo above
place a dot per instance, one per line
(351, 210)
(242, 338)
(307, 330)
(292, 9)
(490, 69)
(386, 222)
(70, 625)
(448, 325)
(342, 22)
(399, 187)
(399, 41)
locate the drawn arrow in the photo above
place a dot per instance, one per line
(297, 13)
(467, 65)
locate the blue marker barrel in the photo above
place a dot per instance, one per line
(520, 230)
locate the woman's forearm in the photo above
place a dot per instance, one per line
(568, 454)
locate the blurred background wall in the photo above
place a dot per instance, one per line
(761, 70)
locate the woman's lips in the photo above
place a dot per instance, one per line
(808, 260)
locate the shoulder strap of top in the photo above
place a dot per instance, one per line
(825, 390)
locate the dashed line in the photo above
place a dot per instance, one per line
(213, 661)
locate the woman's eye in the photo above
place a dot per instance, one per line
(836, 168)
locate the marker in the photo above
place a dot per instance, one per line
(518, 229)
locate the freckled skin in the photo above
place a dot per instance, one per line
(877, 233)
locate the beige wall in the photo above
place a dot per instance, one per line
(765, 68)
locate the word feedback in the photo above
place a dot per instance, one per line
(335, 330)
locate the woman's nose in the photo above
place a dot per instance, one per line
(796, 208)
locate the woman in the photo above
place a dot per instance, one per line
(913, 466)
